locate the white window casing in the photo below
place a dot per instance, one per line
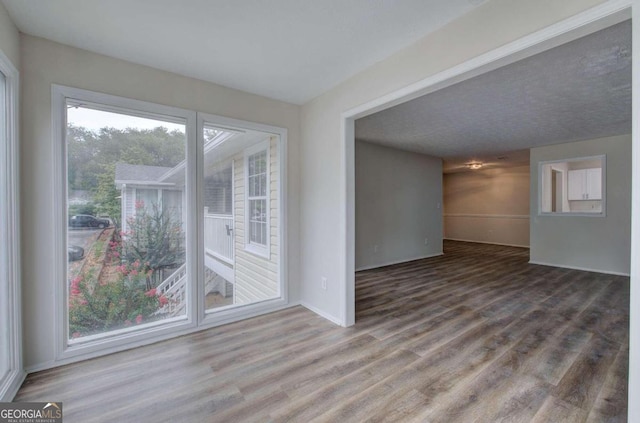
(257, 199)
(11, 369)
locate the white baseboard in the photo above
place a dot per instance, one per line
(391, 263)
(487, 242)
(585, 269)
(322, 314)
(12, 387)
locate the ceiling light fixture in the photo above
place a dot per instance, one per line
(474, 165)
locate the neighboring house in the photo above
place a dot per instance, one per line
(149, 185)
(241, 258)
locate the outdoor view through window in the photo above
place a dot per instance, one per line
(241, 217)
(126, 234)
(128, 208)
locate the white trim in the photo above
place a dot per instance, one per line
(347, 223)
(603, 213)
(633, 410)
(487, 242)
(599, 17)
(585, 269)
(214, 262)
(488, 216)
(574, 27)
(10, 226)
(321, 313)
(391, 263)
(117, 340)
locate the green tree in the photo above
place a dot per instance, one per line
(106, 196)
(154, 239)
(92, 157)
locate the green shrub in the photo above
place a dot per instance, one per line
(99, 307)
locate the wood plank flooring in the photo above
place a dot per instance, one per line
(476, 335)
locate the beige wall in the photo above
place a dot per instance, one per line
(587, 242)
(322, 196)
(9, 37)
(45, 63)
(488, 205)
(398, 206)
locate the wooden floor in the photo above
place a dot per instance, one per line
(477, 335)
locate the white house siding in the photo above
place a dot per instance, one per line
(129, 201)
(256, 277)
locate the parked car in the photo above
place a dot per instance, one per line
(106, 217)
(75, 252)
(87, 221)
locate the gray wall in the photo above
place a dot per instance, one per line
(490, 205)
(323, 201)
(398, 205)
(587, 242)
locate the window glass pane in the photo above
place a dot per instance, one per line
(172, 204)
(218, 189)
(238, 258)
(126, 240)
(146, 198)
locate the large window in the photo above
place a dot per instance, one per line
(10, 351)
(168, 222)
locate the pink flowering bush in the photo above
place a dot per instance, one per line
(95, 307)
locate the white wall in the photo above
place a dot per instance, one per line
(9, 37)
(488, 205)
(322, 193)
(587, 242)
(44, 63)
(398, 206)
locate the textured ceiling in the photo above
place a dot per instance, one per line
(576, 91)
(292, 50)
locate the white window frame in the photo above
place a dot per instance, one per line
(95, 345)
(602, 213)
(262, 250)
(10, 226)
(196, 318)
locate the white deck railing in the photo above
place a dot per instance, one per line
(218, 241)
(174, 288)
(218, 236)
